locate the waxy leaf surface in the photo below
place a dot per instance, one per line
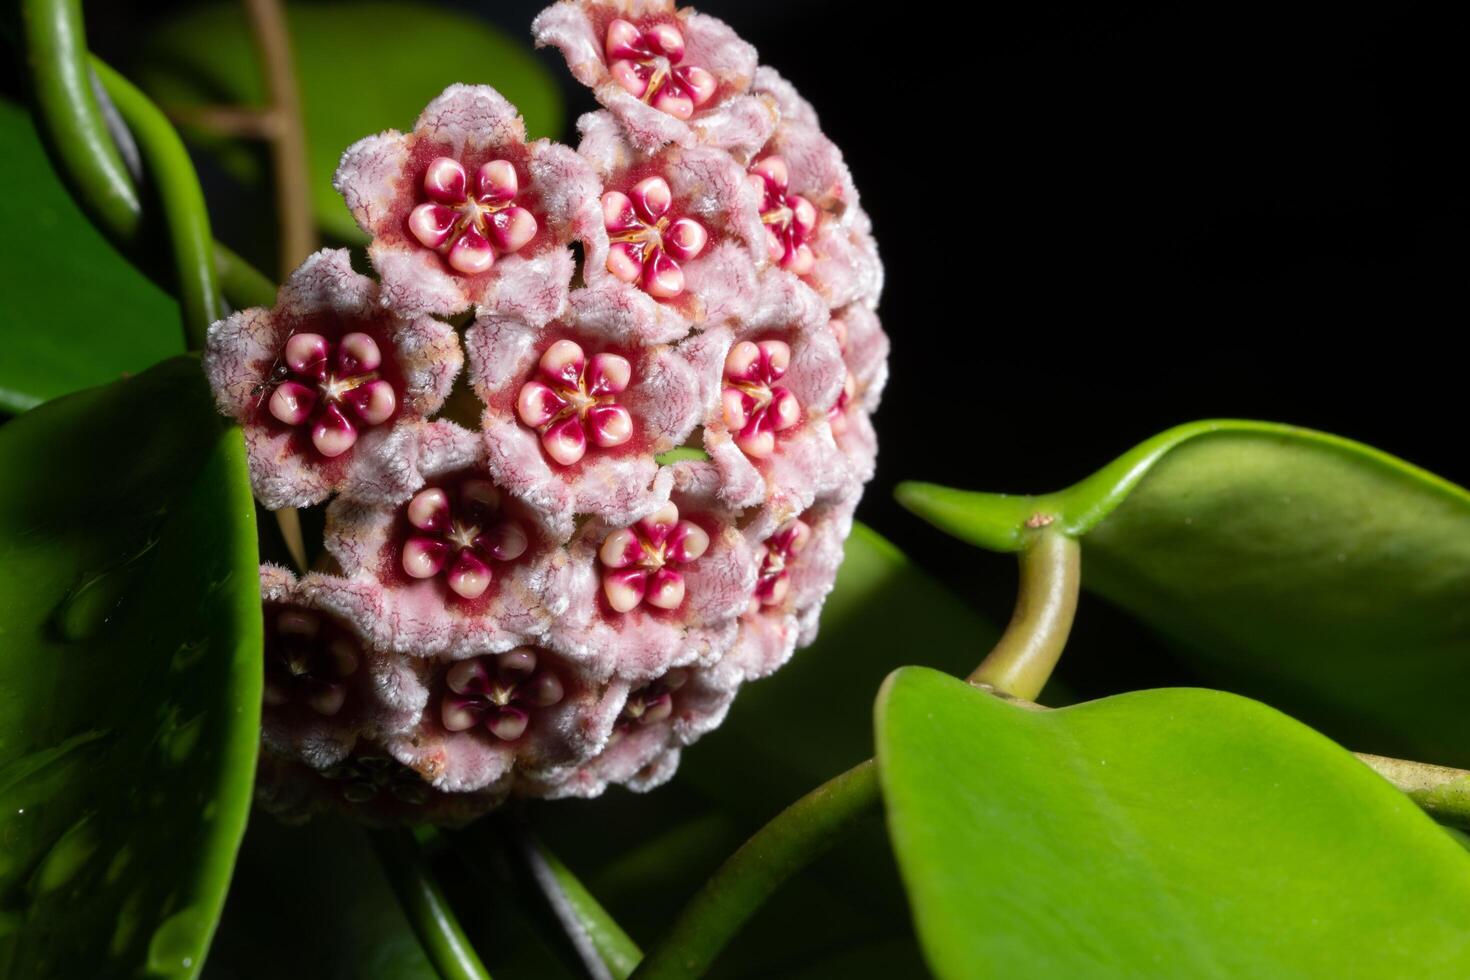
(73, 311)
(361, 67)
(1174, 832)
(130, 677)
(1316, 573)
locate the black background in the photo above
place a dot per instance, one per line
(1102, 219)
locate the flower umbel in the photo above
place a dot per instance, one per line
(524, 598)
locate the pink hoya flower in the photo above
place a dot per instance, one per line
(816, 227)
(463, 211)
(655, 720)
(770, 436)
(660, 592)
(577, 412)
(667, 75)
(325, 685)
(323, 383)
(864, 348)
(681, 233)
(455, 567)
(538, 606)
(492, 718)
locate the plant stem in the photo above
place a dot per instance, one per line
(796, 837)
(182, 202)
(286, 134)
(427, 909)
(600, 941)
(1442, 792)
(68, 113)
(1046, 601)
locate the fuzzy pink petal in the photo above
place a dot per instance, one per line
(568, 187)
(280, 474)
(533, 288)
(415, 281)
(367, 178)
(741, 484)
(471, 116)
(867, 352)
(669, 397)
(326, 283)
(237, 358)
(568, 27)
(616, 309)
(789, 103)
(848, 269)
(722, 284)
(740, 126)
(711, 43)
(859, 443)
(764, 644)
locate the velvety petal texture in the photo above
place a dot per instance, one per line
(517, 598)
(464, 212)
(323, 383)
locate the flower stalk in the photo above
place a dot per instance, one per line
(1026, 654)
(426, 907)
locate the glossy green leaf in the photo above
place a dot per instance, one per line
(1174, 832)
(130, 677)
(642, 856)
(362, 68)
(1311, 571)
(73, 312)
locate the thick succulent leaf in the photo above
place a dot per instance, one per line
(130, 677)
(1311, 571)
(1174, 832)
(362, 68)
(643, 856)
(73, 312)
(312, 902)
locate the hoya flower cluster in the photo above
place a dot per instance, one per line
(536, 595)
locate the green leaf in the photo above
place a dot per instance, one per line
(73, 312)
(1310, 571)
(362, 68)
(130, 677)
(1174, 832)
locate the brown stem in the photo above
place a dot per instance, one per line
(1442, 792)
(288, 142)
(244, 122)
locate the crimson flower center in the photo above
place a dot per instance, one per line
(645, 562)
(572, 401)
(499, 693)
(333, 386)
(648, 64)
(782, 548)
(755, 406)
(461, 538)
(647, 243)
(790, 219)
(471, 229)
